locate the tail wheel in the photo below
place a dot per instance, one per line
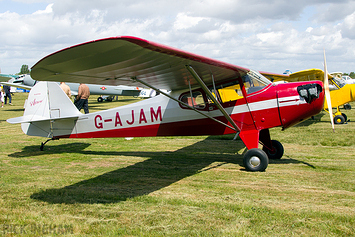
(339, 119)
(255, 160)
(277, 150)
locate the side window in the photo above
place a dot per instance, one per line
(196, 100)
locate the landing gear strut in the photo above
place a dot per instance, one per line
(44, 143)
(276, 151)
(256, 159)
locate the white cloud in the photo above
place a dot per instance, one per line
(269, 36)
(183, 21)
(348, 27)
(46, 11)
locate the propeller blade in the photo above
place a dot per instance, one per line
(327, 93)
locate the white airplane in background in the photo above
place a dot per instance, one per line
(343, 79)
(7, 79)
(106, 92)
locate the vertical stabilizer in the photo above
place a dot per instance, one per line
(48, 112)
(37, 104)
(60, 105)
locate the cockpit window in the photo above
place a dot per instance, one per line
(195, 100)
(339, 83)
(254, 81)
(225, 92)
(231, 91)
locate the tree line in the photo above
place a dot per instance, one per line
(351, 74)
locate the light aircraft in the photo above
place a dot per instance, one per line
(341, 94)
(9, 76)
(250, 105)
(106, 92)
(343, 78)
(7, 79)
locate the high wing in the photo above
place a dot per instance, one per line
(17, 85)
(304, 75)
(122, 60)
(275, 77)
(6, 77)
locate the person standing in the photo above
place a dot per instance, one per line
(82, 98)
(2, 95)
(7, 94)
(66, 89)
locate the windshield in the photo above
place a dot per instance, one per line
(338, 81)
(254, 81)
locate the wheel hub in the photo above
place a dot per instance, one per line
(255, 161)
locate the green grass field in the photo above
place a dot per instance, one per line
(176, 186)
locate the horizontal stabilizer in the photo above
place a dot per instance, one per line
(35, 118)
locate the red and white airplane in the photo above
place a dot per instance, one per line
(206, 97)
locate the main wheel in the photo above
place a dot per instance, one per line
(345, 117)
(347, 106)
(339, 119)
(277, 152)
(255, 160)
(100, 99)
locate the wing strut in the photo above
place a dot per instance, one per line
(210, 95)
(214, 88)
(183, 103)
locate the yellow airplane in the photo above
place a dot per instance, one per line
(341, 95)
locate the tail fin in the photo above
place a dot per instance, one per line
(48, 112)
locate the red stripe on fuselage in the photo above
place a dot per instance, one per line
(181, 128)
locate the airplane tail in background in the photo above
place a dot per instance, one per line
(48, 112)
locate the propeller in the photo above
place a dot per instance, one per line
(327, 93)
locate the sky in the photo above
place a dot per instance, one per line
(270, 36)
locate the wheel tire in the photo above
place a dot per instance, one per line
(345, 117)
(347, 107)
(339, 119)
(255, 160)
(100, 99)
(279, 150)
